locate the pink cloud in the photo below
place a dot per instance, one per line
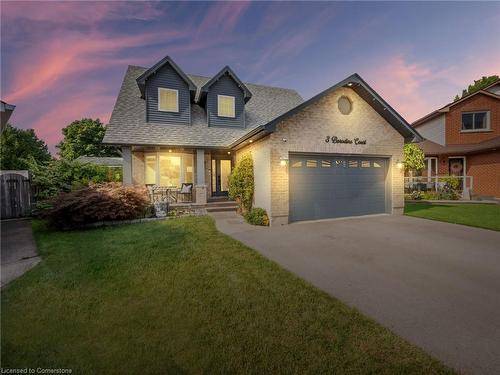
(417, 88)
(90, 104)
(71, 13)
(69, 55)
(399, 82)
(222, 17)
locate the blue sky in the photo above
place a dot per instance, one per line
(64, 61)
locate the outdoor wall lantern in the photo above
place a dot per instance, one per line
(283, 161)
(399, 164)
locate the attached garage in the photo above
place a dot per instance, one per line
(330, 186)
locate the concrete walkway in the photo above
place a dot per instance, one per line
(18, 251)
(433, 283)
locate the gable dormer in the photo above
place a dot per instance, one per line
(167, 92)
(224, 97)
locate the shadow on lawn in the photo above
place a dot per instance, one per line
(414, 207)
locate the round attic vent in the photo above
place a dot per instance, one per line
(345, 105)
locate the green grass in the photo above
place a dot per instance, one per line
(180, 297)
(476, 215)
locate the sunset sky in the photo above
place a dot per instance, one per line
(64, 61)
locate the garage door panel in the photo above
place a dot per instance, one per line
(336, 187)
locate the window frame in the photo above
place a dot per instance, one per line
(182, 175)
(475, 130)
(218, 105)
(159, 101)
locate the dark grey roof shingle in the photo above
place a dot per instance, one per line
(128, 125)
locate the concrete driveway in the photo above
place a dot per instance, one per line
(19, 253)
(435, 284)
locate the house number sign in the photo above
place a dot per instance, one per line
(335, 139)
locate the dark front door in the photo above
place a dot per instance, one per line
(221, 169)
(327, 186)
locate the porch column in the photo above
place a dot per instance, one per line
(201, 187)
(127, 165)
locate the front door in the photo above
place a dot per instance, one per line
(221, 169)
(456, 167)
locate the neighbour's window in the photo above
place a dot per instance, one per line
(168, 100)
(365, 164)
(472, 121)
(353, 163)
(376, 165)
(225, 106)
(326, 163)
(297, 164)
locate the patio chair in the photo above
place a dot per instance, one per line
(185, 194)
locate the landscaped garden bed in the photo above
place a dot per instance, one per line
(177, 296)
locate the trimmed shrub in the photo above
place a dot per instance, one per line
(257, 216)
(95, 203)
(241, 183)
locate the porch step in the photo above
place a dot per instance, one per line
(221, 206)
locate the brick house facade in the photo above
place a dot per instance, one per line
(450, 141)
(337, 154)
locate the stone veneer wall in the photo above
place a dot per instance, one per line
(306, 132)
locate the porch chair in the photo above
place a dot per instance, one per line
(185, 194)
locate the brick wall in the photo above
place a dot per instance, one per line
(479, 102)
(306, 132)
(260, 151)
(485, 170)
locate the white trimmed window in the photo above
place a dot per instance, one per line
(168, 100)
(168, 169)
(475, 121)
(225, 106)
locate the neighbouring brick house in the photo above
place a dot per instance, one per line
(336, 154)
(463, 139)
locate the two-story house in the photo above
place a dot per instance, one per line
(337, 154)
(463, 139)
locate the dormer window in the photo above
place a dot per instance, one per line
(225, 106)
(168, 100)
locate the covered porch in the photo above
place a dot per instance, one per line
(179, 175)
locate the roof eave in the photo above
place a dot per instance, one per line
(141, 80)
(357, 83)
(247, 95)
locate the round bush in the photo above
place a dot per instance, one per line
(257, 216)
(95, 203)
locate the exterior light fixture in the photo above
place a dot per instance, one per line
(250, 141)
(283, 161)
(349, 84)
(229, 152)
(170, 150)
(399, 164)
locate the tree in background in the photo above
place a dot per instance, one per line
(413, 157)
(19, 145)
(477, 85)
(84, 138)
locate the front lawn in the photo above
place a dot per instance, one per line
(476, 215)
(179, 297)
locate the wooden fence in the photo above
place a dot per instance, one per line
(15, 196)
